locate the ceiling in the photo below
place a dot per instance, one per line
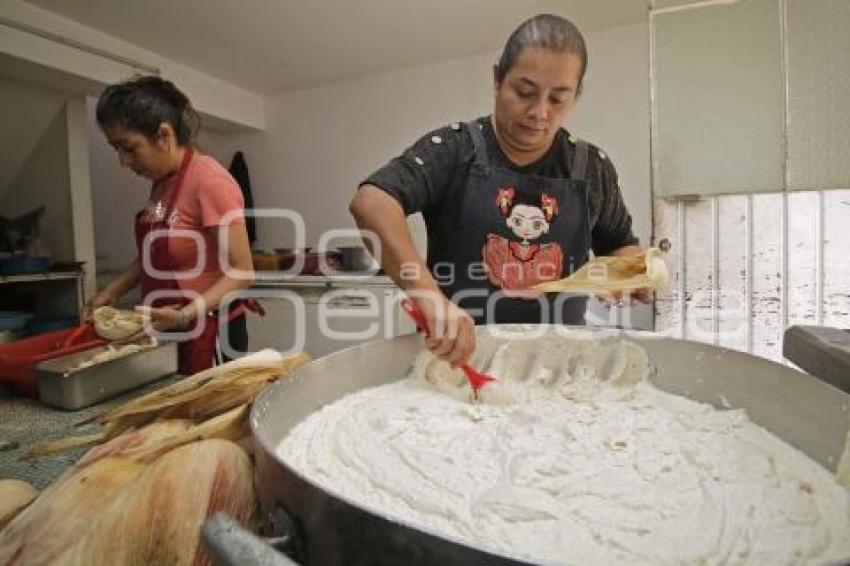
(268, 46)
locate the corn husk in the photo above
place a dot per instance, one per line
(842, 471)
(115, 445)
(158, 519)
(232, 425)
(605, 274)
(62, 445)
(207, 394)
(137, 440)
(141, 495)
(57, 518)
(15, 495)
(119, 511)
(69, 505)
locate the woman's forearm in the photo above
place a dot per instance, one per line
(450, 330)
(212, 297)
(238, 274)
(377, 212)
(126, 280)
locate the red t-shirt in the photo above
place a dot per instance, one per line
(208, 198)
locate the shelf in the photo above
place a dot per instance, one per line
(267, 280)
(49, 276)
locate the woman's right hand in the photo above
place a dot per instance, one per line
(451, 331)
(104, 298)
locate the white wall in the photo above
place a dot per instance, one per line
(39, 74)
(44, 161)
(54, 175)
(79, 189)
(43, 179)
(218, 100)
(26, 111)
(116, 196)
(614, 113)
(320, 143)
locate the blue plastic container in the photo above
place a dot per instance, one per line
(14, 320)
(24, 265)
(49, 325)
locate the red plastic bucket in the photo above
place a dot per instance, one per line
(19, 358)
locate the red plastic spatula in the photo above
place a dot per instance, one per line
(78, 333)
(476, 379)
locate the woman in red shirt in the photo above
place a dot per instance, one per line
(194, 214)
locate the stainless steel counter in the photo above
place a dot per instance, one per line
(637, 317)
(273, 280)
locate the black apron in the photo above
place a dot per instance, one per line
(512, 231)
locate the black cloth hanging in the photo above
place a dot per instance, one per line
(239, 170)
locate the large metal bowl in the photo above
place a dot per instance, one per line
(802, 410)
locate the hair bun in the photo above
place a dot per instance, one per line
(144, 103)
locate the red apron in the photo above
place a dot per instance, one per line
(198, 353)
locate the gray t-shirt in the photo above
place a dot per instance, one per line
(427, 176)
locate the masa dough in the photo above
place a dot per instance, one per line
(113, 352)
(574, 457)
(117, 324)
(609, 273)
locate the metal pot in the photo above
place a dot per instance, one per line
(356, 258)
(329, 529)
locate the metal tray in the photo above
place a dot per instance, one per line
(67, 389)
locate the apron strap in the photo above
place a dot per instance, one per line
(241, 307)
(475, 132)
(579, 165)
(170, 197)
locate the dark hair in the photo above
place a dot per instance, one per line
(548, 31)
(142, 104)
(509, 198)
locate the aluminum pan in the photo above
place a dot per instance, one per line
(802, 410)
(71, 389)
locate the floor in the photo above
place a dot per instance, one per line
(26, 422)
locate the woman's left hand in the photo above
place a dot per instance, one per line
(632, 297)
(164, 319)
(645, 296)
(627, 298)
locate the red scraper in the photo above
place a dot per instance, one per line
(83, 331)
(476, 379)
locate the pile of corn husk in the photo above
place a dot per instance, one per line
(15, 495)
(163, 464)
(216, 400)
